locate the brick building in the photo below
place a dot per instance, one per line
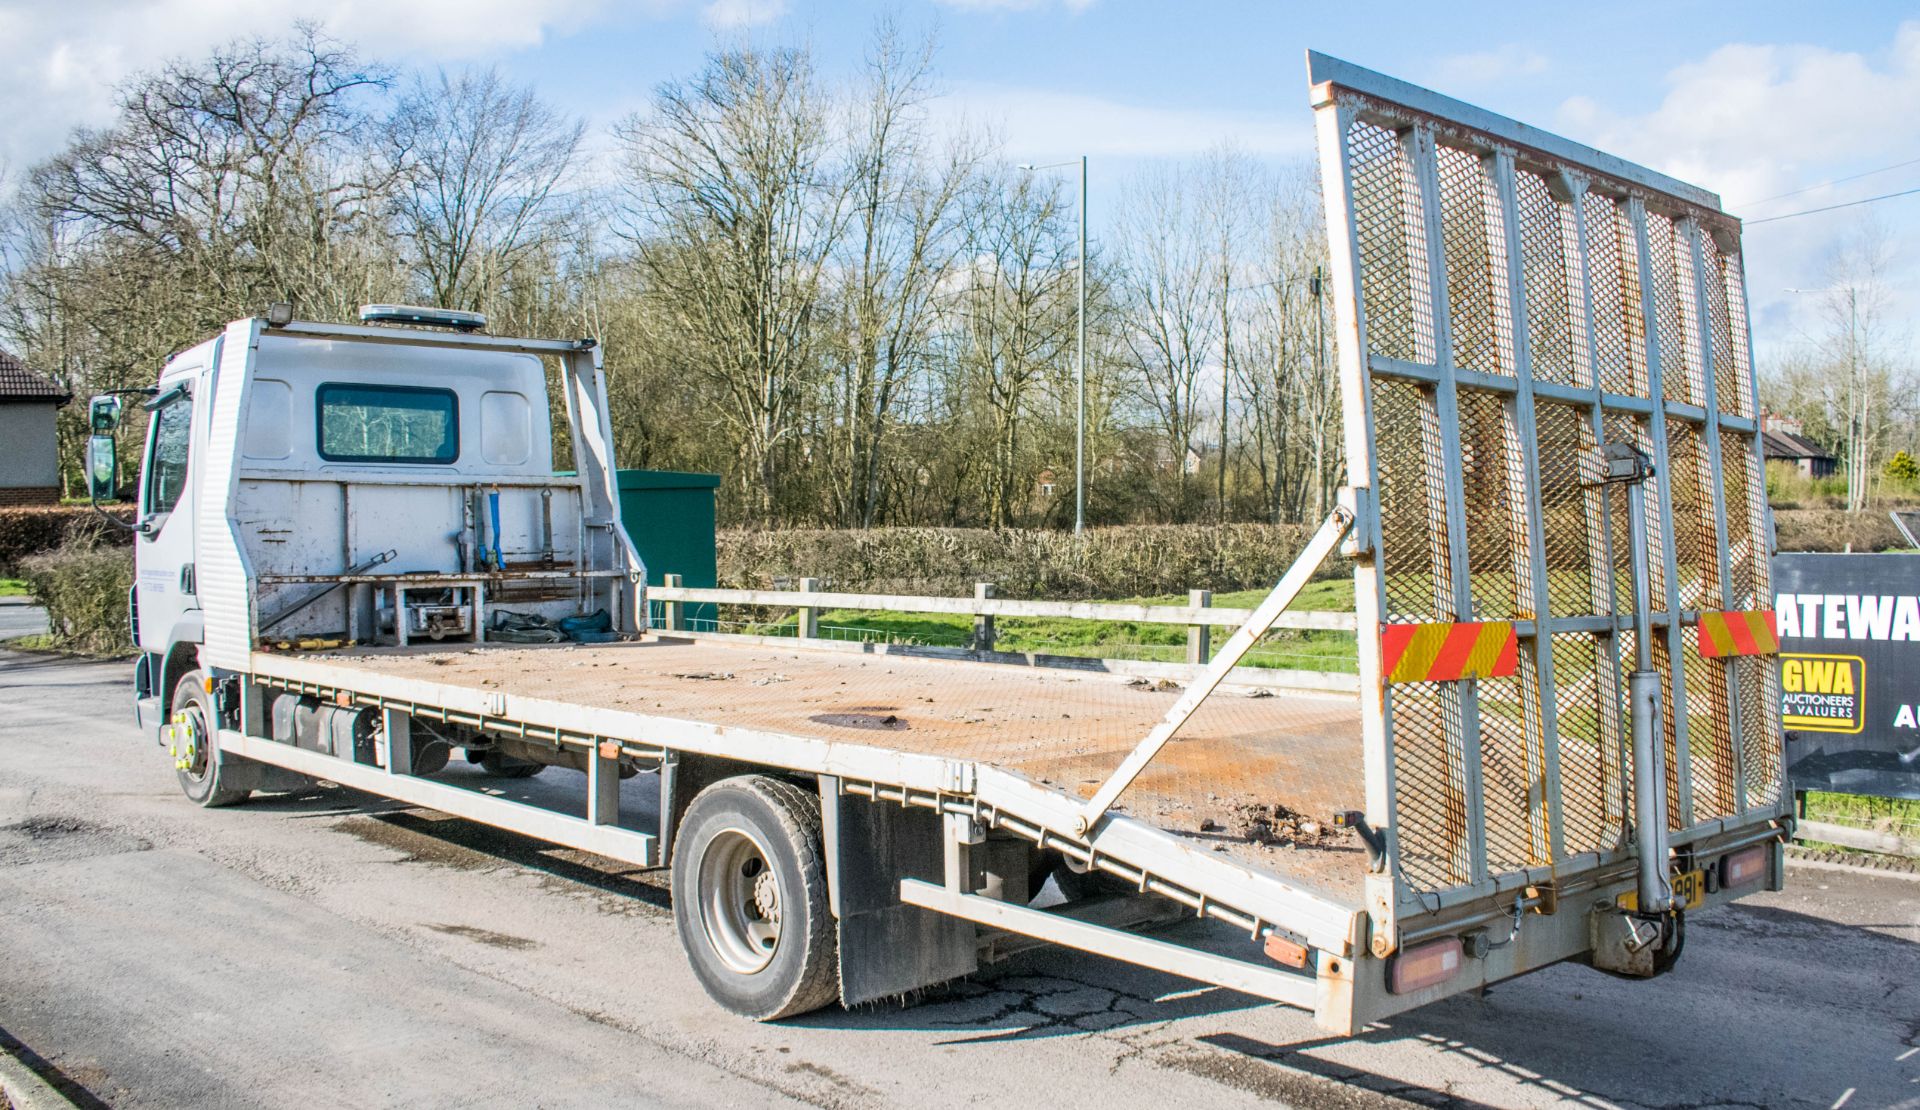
(29, 451)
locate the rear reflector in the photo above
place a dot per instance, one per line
(1425, 965)
(1283, 951)
(1748, 865)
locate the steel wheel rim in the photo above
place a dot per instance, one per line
(198, 764)
(739, 901)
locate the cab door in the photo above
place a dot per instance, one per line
(164, 545)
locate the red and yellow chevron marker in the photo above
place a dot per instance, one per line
(1445, 652)
(1738, 633)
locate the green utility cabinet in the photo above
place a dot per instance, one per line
(670, 517)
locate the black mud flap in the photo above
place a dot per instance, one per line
(245, 774)
(888, 948)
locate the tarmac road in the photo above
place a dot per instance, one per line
(334, 949)
(18, 617)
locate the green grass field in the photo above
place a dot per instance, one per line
(1897, 815)
(13, 587)
(1331, 652)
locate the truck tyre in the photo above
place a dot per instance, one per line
(750, 898)
(506, 767)
(195, 762)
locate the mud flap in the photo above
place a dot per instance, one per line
(245, 774)
(888, 948)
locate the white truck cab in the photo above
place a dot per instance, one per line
(293, 457)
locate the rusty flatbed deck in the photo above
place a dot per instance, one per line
(1242, 754)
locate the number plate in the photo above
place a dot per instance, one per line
(1689, 889)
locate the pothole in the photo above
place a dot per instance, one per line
(49, 837)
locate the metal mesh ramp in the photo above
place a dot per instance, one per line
(1510, 302)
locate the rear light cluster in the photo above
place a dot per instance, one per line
(1425, 965)
(1282, 950)
(1748, 865)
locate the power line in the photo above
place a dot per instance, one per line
(1824, 184)
(1833, 207)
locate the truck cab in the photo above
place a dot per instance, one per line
(373, 483)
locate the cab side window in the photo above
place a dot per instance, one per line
(167, 466)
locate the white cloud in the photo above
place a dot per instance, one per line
(1488, 66)
(64, 59)
(1753, 121)
(1045, 124)
(730, 14)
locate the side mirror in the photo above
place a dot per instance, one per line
(103, 468)
(103, 414)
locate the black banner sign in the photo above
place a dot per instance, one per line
(1850, 671)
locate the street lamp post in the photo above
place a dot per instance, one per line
(1079, 359)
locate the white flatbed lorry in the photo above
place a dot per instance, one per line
(1566, 736)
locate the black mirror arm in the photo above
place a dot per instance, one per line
(141, 528)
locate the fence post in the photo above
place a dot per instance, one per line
(676, 611)
(809, 614)
(1199, 636)
(983, 631)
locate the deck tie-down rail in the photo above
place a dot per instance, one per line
(1334, 529)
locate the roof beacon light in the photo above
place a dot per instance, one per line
(421, 316)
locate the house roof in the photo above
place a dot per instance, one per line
(17, 383)
(1787, 445)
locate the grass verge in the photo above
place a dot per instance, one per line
(1290, 649)
(46, 644)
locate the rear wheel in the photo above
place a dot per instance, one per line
(196, 762)
(750, 898)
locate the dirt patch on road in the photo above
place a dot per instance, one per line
(412, 835)
(49, 837)
(486, 936)
(426, 837)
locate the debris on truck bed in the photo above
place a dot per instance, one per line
(1276, 824)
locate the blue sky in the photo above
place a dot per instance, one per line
(1749, 100)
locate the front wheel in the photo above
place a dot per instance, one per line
(750, 898)
(196, 760)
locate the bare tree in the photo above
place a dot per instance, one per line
(1851, 385)
(734, 204)
(1229, 184)
(231, 168)
(1013, 319)
(903, 232)
(224, 183)
(486, 168)
(1286, 376)
(1173, 295)
(805, 285)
